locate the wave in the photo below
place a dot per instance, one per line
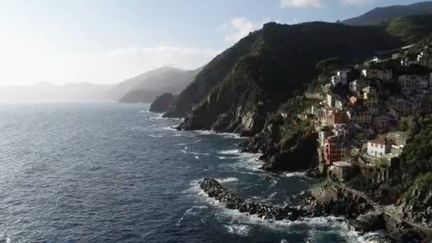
(244, 161)
(227, 180)
(193, 211)
(223, 134)
(316, 224)
(230, 152)
(169, 128)
(295, 174)
(156, 136)
(238, 229)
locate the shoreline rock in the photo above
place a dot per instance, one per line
(215, 190)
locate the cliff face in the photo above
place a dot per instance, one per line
(287, 142)
(212, 74)
(162, 103)
(237, 93)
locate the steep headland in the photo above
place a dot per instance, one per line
(163, 103)
(263, 70)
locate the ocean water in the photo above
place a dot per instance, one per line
(117, 173)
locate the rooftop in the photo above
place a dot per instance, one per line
(381, 141)
(342, 164)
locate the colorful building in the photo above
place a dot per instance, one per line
(332, 150)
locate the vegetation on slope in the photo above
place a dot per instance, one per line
(411, 28)
(417, 154)
(280, 61)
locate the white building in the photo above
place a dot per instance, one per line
(425, 59)
(413, 81)
(379, 147)
(341, 77)
(333, 101)
(385, 75)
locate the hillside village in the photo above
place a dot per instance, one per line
(362, 111)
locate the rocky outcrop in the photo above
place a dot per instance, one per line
(264, 211)
(329, 199)
(321, 201)
(287, 142)
(371, 221)
(163, 103)
(416, 206)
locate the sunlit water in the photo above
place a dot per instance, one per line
(117, 173)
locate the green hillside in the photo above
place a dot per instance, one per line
(411, 28)
(238, 90)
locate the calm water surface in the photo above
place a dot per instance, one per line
(117, 173)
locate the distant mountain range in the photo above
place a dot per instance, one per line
(143, 88)
(406, 23)
(48, 92)
(147, 86)
(381, 16)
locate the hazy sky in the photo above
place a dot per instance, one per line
(106, 41)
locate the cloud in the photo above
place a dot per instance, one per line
(357, 2)
(303, 3)
(239, 27)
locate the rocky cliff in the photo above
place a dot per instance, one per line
(163, 103)
(287, 142)
(239, 90)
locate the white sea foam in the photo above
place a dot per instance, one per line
(194, 210)
(225, 134)
(199, 154)
(238, 229)
(227, 180)
(295, 174)
(169, 128)
(156, 116)
(230, 152)
(156, 136)
(231, 135)
(336, 224)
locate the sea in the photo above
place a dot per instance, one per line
(108, 172)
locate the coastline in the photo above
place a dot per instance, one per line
(367, 223)
(362, 236)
